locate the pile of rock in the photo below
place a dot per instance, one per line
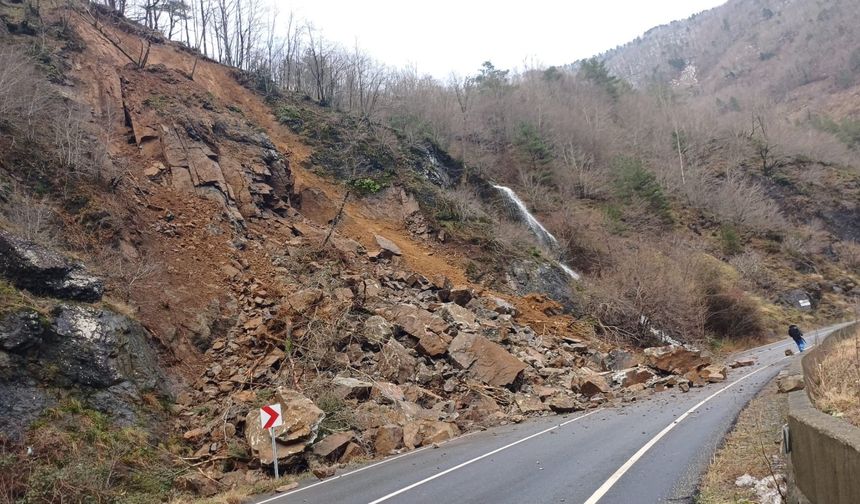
(421, 361)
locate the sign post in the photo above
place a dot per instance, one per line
(270, 417)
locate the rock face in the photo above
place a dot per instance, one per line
(99, 348)
(485, 361)
(302, 419)
(101, 353)
(526, 276)
(675, 359)
(45, 272)
(191, 148)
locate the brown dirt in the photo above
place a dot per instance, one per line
(189, 267)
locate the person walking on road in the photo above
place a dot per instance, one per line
(797, 336)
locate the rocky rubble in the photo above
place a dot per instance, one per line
(411, 361)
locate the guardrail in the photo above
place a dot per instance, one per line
(825, 451)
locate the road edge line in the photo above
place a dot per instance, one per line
(609, 483)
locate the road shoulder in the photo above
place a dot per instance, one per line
(743, 467)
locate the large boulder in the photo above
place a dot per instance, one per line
(45, 272)
(485, 361)
(302, 420)
(590, 384)
(333, 445)
(387, 247)
(395, 362)
(416, 321)
(675, 359)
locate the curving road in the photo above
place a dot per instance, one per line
(650, 451)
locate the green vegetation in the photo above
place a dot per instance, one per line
(366, 186)
(533, 146)
(730, 240)
(82, 456)
(595, 70)
(10, 298)
(338, 415)
(158, 103)
(632, 179)
(847, 130)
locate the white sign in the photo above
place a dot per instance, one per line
(270, 416)
(804, 302)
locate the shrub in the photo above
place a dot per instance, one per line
(730, 240)
(366, 186)
(79, 455)
(632, 179)
(731, 312)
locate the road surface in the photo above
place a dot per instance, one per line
(650, 451)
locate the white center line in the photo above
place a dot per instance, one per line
(597, 495)
(464, 464)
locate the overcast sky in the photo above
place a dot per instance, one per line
(441, 36)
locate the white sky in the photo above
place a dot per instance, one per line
(440, 36)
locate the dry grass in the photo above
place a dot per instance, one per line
(753, 447)
(839, 375)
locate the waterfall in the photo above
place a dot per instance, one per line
(537, 228)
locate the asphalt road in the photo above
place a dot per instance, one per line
(649, 451)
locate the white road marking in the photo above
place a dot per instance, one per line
(464, 464)
(608, 484)
(329, 480)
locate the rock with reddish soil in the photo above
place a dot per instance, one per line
(350, 388)
(302, 419)
(713, 373)
(351, 452)
(675, 359)
(590, 384)
(455, 314)
(301, 301)
(388, 439)
(433, 345)
(636, 375)
(529, 404)
(460, 295)
(332, 446)
(561, 403)
(387, 247)
(395, 362)
(485, 361)
(416, 321)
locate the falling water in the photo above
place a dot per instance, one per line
(537, 228)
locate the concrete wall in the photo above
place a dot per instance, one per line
(825, 451)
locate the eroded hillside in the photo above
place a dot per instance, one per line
(196, 258)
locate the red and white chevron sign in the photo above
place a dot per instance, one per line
(270, 416)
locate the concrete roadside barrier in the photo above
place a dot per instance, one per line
(824, 450)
